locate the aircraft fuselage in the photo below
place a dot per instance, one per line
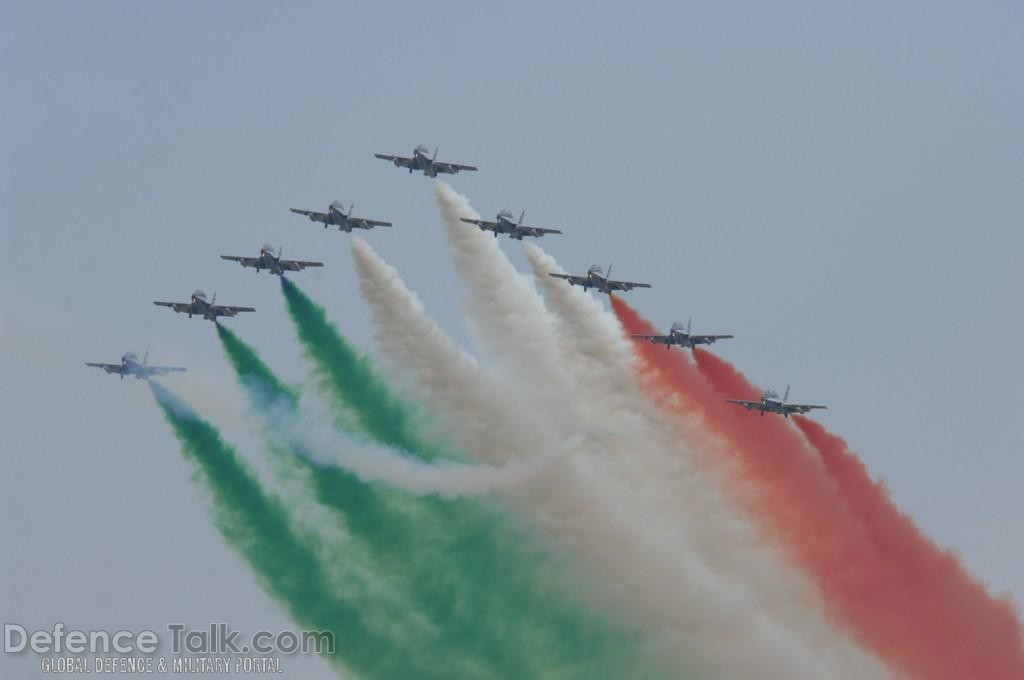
(269, 262)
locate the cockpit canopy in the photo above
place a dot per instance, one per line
(422, 149)
(596, 269)
(267, 248)
(678, 326)
(130, 356)
(337, 205)
(199, 294)
(770, 394)
(507, 214)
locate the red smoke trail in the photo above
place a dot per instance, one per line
(993, 623)
(927, 628)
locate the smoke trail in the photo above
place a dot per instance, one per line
(257, 526)
(449, 378)
(363, 509)
(592, 343)
(579, 505)
(502, 304)
(987, 632)
(785, 486)
(347, 375)
(323, 444)
(471, 573)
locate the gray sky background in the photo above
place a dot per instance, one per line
(839, 185)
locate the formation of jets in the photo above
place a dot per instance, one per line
(504, 222)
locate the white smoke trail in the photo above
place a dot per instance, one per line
(597, 505)
(594, 346)
(307, 429)
(448, 376)
(502, 304)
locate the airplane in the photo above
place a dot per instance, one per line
(130, 366)
(336, 215)
(680, 335)
(771, 403)
(421, 160)
(271, 262)
(506, 223)
(198, 304)
(597, 279)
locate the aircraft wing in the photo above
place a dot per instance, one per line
(538, 231)
(109, 368)
(653, 338)
(180, 307)
(400, 161)
(452, 168)
(298, 265)
(626, 285)
(161, 370)
(574, 280)
(744, 403)
(484, 224)
(802, 408)
(244, 261)
(363, 223)
(311, 214)
(698, 339)
(227, 310)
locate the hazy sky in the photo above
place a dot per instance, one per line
(840, 185)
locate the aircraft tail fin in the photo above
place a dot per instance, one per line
(213, 300)
(522, 216)
(145, 358)
(434, 157)
(688, 321)
(351, 209)
(785, 397)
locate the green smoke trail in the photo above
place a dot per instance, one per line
(256, 525)
(348, 375)
(378, 515)
(364, 508)
(474, 570)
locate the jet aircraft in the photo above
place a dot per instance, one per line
(598, 280)
(198, 304)
(680, 335)
(506, 223)
(771, 403)
(337, 215)
(422, 160)
(130, 366)
(271, 262)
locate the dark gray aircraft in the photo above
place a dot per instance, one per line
(130, 366)
(506, 223)
(336, 215)
(680, 335)
(771, 403)
(271, 262)
(423, 161)
(199, 305)
(598, 280)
